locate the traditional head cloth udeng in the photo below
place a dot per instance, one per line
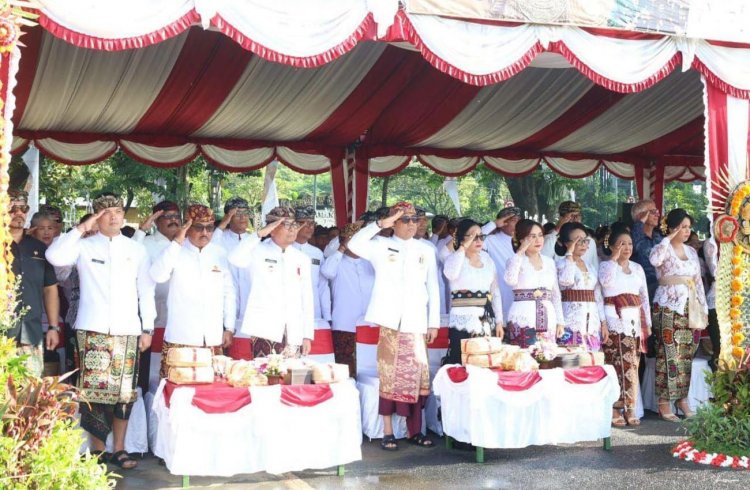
(304, 213)
(166, 206)
(567, 207)
(406, 207)
(52, 211)
(235, 203)
(280, 212)
(16, 195)
(512, 211)
(105, 201)
(420, 212)
(199, 213)
(382, 212)
(368, 217)
(350, 229)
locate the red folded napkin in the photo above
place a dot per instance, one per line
(213, 398)
(458, 374)
(305, 395)
(585, 375)
(516, 380)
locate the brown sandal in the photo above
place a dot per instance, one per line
(683, 406)
(618, 420)
(631, 418)
(668, 416)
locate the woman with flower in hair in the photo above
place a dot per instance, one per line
(582, 301)
(536, 312)
(628, 317)
(476, 305)
(680, 312)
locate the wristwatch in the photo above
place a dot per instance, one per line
(54, 328)
(148, 332)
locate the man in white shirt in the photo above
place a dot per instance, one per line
(499, 245)
(569, 211)
(231, 231)
(405, 303)
(421, 235)
(439, 228)
(305, 216)
(279, 309)
(352, 279)
(201, 291)
(167, 218)
(115, 319)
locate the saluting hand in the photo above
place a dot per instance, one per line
(615, 253)
(90, 223)
(388, 222)
(571, 247)
(673, 234)
(500, 222)
(266, 230)
(180, 237)
(468, 239)
(227, 218)
(149, 222)
(525, 244)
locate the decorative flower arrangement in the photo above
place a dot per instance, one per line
(686, 451)
(274, 366)
(543, 351)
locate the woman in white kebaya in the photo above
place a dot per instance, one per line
(536, 312)
(582, 301)
(476, 306)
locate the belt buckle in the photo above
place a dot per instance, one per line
(538, 293)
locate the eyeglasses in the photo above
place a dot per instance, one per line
(241, 212)
(202, 228)
(653, 211)
(407, 219)
(290, 225)
(306, 222)
(480, 238)
(170, 217)
(24, 208)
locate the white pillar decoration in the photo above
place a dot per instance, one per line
(270, 197)
(31, 159)
(451, 188)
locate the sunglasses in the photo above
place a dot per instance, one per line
(480, 238)
(171, 217)
(407, 219)
(653, 211)
(23, 208)
(202, 228)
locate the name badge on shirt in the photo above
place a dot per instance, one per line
(421, 260)
(215, 269)
(393, 250)
(271, 261)
(315, 262)
(97, 261)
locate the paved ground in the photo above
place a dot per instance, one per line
(640, 460)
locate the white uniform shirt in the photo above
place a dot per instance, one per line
(115, 282)
(201, 293)
(320, 290)
(548, 249)
(406, 295)
(155, 245)
(500, 248)
(352, 281)
(615, 282)
(240, 277)
(280, 298)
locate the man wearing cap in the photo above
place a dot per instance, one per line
(201, 291)
(115, 319)
(351, 279)
(231, 231)
(305, 216)
(499, 245)
(280, 310)
(569, 211)
(405, 303)
(38, 288)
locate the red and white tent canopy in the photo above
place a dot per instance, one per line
(245, 81)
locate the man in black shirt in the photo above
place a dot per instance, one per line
(38, 288)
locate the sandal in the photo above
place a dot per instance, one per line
(682, 406)
(669, 417)
(101, 456)
(123, 460)
(618, 420)
(389, 443)
(631, 418)
(421, 440)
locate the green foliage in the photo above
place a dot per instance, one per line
(723, 425)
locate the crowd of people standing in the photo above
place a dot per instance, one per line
(627, 290)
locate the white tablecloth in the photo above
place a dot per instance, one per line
(372, 422)
(265, 435)
(553, 411)
(698, 394)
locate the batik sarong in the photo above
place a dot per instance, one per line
(264, 347)
(623, 353)
(526, 335)
(402, 366)
(675, 348)
(216, 350)
(108, 378)
(345, 349)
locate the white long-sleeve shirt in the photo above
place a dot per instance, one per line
(405, 295)
(500, 248)
(463, 276)
(614, 282)
(445, 294)
(240, 276)
(280, 298)
(521, 274)
(201, 293)
(155, 245)
(320, 290)
(352, 281)
(585, 317)
(115, 282)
